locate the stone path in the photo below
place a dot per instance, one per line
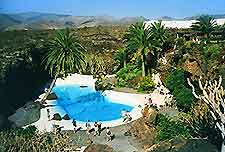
(120, 143)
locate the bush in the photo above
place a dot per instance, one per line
(212, 52)
(176, 78)
(24, 140)
(168, 128)
(177, 84)
(184, 98)
(146, 84)
(126, 75)
(102, 84)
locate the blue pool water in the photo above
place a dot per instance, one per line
(84, 103)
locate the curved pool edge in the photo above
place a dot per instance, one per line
(135, 100)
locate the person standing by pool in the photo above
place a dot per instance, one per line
(74, 123)
(88, 127)
(96, 128)
(76, 128)
(99, 124)
(109, 134)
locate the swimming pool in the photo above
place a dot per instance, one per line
(83, 103)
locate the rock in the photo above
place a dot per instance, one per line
(144, 133)
(66, 117)
(57, 116)
(162, 147)
(98, 148)
(26, 115)
(152, 115)
(193, 67)
(88, 142)
(52, 96)
(183, 145)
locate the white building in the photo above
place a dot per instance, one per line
(181, 23)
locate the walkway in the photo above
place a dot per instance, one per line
(120, 143)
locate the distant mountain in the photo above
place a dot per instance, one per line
(36, 20)
(217, 16)
(6, 20)
(166, 18)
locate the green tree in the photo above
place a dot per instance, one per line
(65, 56)
(159, 34)
(122, 56)
(204, 24)
(138, 38)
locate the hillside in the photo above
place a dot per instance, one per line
(7, 20)
(37, 21)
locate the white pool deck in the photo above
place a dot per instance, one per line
(135, 100)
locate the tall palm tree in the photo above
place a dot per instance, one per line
(138, 38)
(65, 55)
(204, 24)
(159, 34)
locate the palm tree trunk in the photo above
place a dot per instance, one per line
(49, 91)
(124, 63)
(143, 65)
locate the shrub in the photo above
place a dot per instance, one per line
(126, 75)
(212, 52)
(28, 139)
(168, 128)
(184, 98)
(177, 84)
(176, 78)
(146, 84)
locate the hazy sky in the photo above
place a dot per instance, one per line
(146, 8)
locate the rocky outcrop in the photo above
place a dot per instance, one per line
(143, 129)
(183, 145)
(66, 117)
(57, 116)
(98, 148)
(26, 115)
(193, 67)
(52, 96)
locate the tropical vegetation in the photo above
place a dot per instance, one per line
(65, 56)
(133, 54)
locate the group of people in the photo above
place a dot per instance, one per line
(97, 128)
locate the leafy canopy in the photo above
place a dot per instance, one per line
(205, 24)
(65, 54)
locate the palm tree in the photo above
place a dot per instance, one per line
(138, 38)
(122, 56)
(65, 56)
(204, 24)
(159, 34)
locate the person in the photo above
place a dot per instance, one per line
(74, 123)
(99, 125)
(48, 114)
(108, 134)
(88, 127)
(96, 128)
(127, 118)
(123, 113)
(149, 101)
(76, 128)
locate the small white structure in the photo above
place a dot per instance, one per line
(181, 24)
